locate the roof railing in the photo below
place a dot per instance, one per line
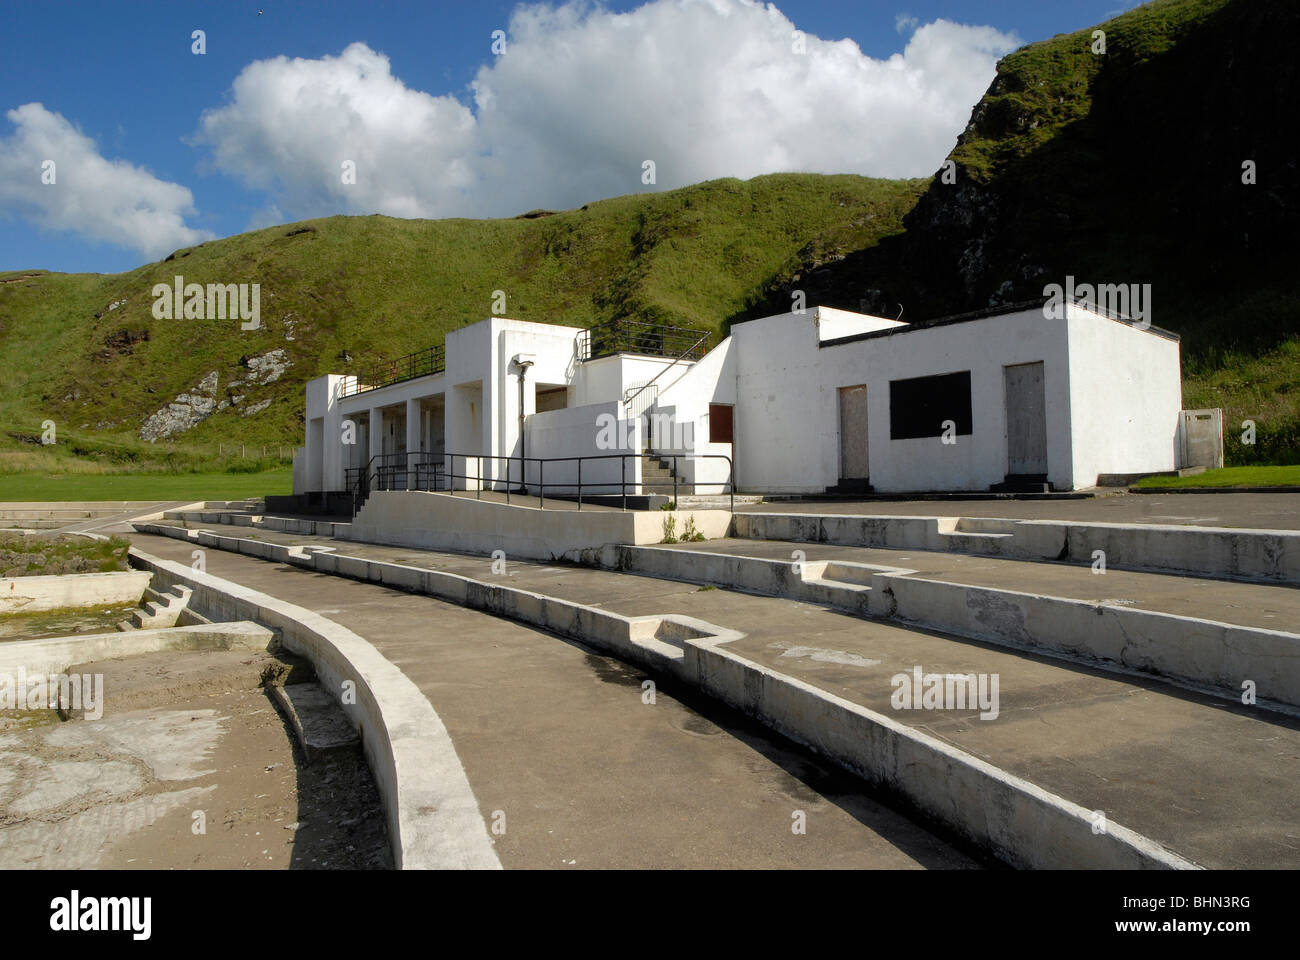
(642, 337)
(385, 373)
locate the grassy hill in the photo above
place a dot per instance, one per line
(339, 293)
(1125, 168)
(1117, 168)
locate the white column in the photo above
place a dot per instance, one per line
(376, 431)
(414, 440)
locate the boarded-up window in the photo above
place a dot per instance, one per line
(719, 423)
(919, 406)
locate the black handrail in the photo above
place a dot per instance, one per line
(642, 337)
(392, 465)
(385, 373)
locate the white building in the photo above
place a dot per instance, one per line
(796, 403)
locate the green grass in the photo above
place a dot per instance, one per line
(1288, 476)
(144, 486)
(340, 293)
(23, 555)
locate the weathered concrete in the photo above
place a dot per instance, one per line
(1014, 839)
(1261, 511)
(318, 723)
(1198, 650)
(441, 521)
(432, 815)
(1259, 555)
(33, 594)
(54, 655)
(564, 751)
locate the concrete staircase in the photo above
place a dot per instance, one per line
(163, 609)
(657, 475)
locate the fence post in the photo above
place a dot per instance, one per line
(674, 481)
(622, 469)
(541, 484)
(478, 487)
(580, 483)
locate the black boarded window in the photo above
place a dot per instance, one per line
(919, 406)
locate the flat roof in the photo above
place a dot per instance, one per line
(986, 312)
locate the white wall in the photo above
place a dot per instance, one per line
(1126, 393)
(323, 454)
(832, 323)
(575, 432)
(783, 373)
(787, 418)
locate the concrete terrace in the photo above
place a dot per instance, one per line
(1267, 511)
(1194, 771)
(556, 736)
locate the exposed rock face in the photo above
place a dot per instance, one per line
(267, 368)
(186, 411)
(1126, 168)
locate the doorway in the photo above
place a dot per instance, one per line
(854, 467)
(1026, 410)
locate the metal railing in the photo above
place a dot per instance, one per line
(644, 338)
(422, 363)
(428, 471)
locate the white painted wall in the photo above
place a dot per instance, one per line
(575, 432)
(1125, 396)
(323, 454)
(782, 374)
(787, 386)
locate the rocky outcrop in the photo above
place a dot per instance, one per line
(188, 410)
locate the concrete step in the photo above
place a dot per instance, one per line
(1123, 751)
(1209, 634)
(162, 609)
(318, 722)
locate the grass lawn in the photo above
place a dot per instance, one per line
(144, 486)
(1232, 477)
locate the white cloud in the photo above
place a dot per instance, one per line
(102, 200)
(582, 96)
(292, 124)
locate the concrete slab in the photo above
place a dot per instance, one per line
(560, 747)
(1248, 604)
(1150, 756)
(1265, 511)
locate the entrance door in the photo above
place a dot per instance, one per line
(1026, 419)
(853, 436)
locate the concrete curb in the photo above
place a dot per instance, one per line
(34, 594)
(1192, 650)
(1269, 556)
(55, 654)
(433, 817)
(1017, 821)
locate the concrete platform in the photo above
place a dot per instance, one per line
(1204, 776)
(557, 740)
(1268, 511)
(1248, 604)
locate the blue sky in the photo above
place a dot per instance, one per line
(579, 98)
